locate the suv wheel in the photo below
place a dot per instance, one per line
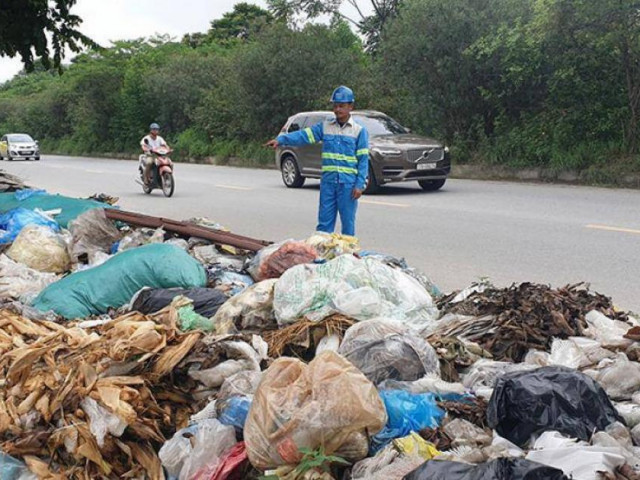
(291, 173)
(431, 185)
(372, 184)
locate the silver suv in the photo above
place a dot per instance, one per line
(396, 155)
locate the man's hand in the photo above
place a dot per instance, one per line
(356, 193)
(272, 144)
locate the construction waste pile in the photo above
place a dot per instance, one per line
(145, 348)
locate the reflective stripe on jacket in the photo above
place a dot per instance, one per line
(345, 150)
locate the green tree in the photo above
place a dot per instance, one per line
(25, 25)
(372, 26)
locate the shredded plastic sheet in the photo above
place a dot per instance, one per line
(41, 248)
(361, 289)
(384, 350)
(321, 404)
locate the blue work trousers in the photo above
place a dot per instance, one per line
(336, 198)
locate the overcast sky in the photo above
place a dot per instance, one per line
(128, 19)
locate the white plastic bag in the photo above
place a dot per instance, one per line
(102, 421)
(619, 377)
(362, 289)
(610, 333)
(195, 447)
(40, 248)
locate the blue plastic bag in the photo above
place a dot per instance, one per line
(13, 469)
(407, 412)
(235, 412)
(15, 220)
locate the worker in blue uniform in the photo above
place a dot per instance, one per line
(345, 162)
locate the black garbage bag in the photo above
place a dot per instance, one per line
(499, 469)
(549, 398)
(206, 301)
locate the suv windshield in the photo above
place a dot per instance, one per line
(20, 138)
(381, 125)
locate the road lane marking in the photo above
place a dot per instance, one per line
(234, 187)
(88, 170)
(387, 204)
(613, 229)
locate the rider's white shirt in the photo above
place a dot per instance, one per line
(158, 142)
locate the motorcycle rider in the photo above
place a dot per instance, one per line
(148, 144)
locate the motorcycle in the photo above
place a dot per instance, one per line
(161, 172)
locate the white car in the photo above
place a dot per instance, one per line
(14, 146)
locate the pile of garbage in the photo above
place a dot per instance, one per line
(152, 352)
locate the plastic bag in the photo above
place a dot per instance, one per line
(332, 245)
(610, 333)
(40, 248)
(209, 255)
(13, 221)
(191, 320)
(309, 406)
(243, 383)
(113, 283)
(630, 412)
(17, 281)
(206, 301)
(241, 356)
(576, 459)
(102, 421)
(230, 466)
(92, 232)
(249, 310)
(485, 373)
(414, 444)
(499, 469)
(387, 464)
(430, 383)
(407, 412)
(549, 398)
(195, 447)
(384, 350)
(228, 281)
(253, 268)
(466, 433)
(317, 291)
(140, 237)
(14, 469)
(619, 377)
(285, 257)
(234, 411)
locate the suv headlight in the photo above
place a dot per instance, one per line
(387, 152)
(446, 149)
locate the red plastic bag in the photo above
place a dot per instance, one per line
(230, 468)
(288, 255)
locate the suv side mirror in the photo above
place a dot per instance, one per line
(294, 127)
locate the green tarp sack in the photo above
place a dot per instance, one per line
(71, 207)
(113, 284)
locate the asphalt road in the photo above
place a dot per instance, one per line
(508, 232)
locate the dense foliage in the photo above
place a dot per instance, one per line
(551, 83)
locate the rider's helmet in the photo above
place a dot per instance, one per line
(154, 126)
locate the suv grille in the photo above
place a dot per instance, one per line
(435, 154)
